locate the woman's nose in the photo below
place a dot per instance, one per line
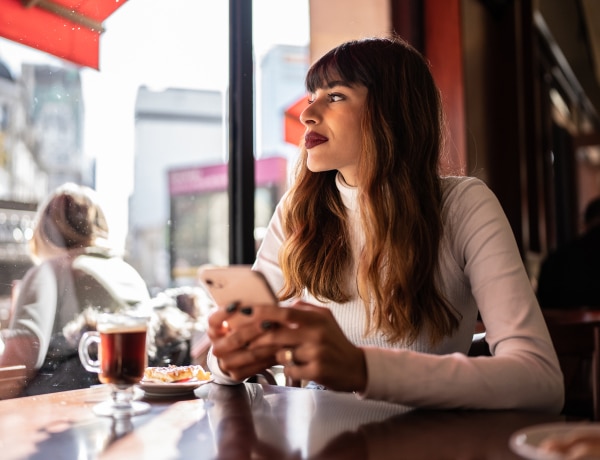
(309, 115)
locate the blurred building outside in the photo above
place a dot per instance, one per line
(178, 132)
(41, 118)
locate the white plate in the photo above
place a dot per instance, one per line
(158, 389)
(526, 442)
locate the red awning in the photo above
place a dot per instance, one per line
(69, 29)
(294, 130)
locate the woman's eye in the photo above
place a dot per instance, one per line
(331, 97)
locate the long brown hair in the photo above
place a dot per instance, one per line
(399, 196)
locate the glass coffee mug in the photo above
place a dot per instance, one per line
(122, 360)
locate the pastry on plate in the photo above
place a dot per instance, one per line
(173, 374)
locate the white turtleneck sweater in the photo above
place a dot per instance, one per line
(480, 269)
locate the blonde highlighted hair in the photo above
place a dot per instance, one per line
(70, 218)
(399, 196)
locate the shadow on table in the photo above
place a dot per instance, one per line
(90, 438)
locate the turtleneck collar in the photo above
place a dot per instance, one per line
(348, 193)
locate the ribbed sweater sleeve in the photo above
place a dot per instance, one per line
(481, 270)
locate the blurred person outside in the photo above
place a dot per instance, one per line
(75, 271)
(570, 275)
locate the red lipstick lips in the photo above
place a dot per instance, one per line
(313, 139)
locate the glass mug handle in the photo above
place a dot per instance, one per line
(91, 365)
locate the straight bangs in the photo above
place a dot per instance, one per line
(339, 64)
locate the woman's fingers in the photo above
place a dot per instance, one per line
(314, 347)
(245, 363)
(217, 323)
(253, 320)
(236, 339)
(288, 357)
(291, 326)
(225, 321)
(306, 339)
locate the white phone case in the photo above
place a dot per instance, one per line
(237, 283)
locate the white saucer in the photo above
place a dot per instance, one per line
(160, 389)
(526, 442)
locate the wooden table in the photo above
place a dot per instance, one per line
(253, 421)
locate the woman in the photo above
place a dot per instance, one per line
(74, 270)
(389, 263)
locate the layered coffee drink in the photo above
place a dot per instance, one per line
(122, 353)
(120, 339)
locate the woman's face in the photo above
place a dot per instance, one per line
(333, 128)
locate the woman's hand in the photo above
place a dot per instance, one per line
(230, 346)
(311, 346)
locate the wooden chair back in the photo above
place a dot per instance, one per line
(576, 338)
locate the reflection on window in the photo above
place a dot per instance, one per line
(148, 132)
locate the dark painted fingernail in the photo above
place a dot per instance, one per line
(246, 311)
(232, 307)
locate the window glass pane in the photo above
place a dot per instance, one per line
(148, 132)
(148, 128)
(281, 38)
(155, 108)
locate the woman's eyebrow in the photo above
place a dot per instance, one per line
(331, 84)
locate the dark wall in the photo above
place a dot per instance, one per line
(496, 69)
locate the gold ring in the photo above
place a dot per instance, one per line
(288, 357)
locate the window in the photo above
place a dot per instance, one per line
(148, 130)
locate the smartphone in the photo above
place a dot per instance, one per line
(237, 283)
